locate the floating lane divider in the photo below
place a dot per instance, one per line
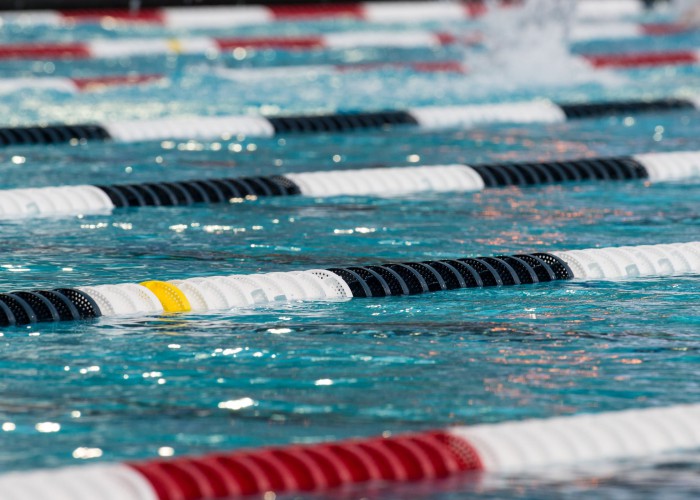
(74, 85)
(241, 15)
(426, 118)
(390, 181)
(283, 73)
(629, 60)
(220, 293)
(582, 32)
(626, 60)
(519, 447)
(202, 45)
(130, 47)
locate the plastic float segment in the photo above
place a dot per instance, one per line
(428, 118)
(644, 59)
(72, 85)
(68, 85)
(205, 45)
(383, 182)
(220, 16)
(528, 446)
(218, 293)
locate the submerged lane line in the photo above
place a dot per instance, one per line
(391, 181)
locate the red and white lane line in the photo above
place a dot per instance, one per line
(344, 40)
(644, 59)
(126, 47)
(73, 85)
(285, 72)
(242, 15)
(628, 60)
(583, 32)
(529, 446)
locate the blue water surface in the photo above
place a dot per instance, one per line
(309, 372)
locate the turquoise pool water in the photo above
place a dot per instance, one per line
(137, 387)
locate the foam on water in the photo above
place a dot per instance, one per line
(529, 47)
(687, 10)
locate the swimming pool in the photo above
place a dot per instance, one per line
(138, 387)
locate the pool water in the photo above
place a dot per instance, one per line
(134, 388)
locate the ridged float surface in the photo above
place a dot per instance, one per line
(52, 134)
(379, 182)
(220, 293)
(189, 128)
(108, 481)
(427, 117)
(438, 117)
(633, 262)
(38, 202)
(224, 16)
(670, 166)
(528, 446)
(504, 326)
(388, 181)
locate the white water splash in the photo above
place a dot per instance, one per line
(688, 11)
(528, 47)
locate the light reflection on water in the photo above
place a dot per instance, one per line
(142, 387)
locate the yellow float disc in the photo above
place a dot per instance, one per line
(170, 296)
(175, 45)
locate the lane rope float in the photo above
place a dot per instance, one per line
(219, 293)
(203, 45)
(427, 118)
(208, 46)
(170, 296)
(74, 85)
(242, 15)
(390, 181)
(627, 60)
(519, 447)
